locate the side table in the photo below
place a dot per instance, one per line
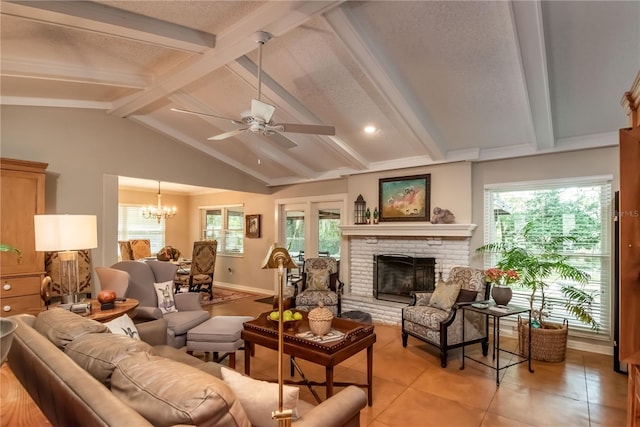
(489, 309)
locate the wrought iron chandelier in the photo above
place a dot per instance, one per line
(159, 212)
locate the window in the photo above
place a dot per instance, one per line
(578, 207)
(226, 225)
(132, 225)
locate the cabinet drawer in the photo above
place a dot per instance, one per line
(31, 304)
(19, 286)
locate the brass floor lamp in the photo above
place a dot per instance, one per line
(278, 257)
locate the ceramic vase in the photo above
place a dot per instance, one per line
(501, 294)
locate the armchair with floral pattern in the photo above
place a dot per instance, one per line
(319, 283)
(434, 317)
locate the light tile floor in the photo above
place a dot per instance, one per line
(411, 389)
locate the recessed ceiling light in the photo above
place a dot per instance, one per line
(370, 129)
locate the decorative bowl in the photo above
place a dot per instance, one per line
(106, 296)
(289, 325)
(7, 328)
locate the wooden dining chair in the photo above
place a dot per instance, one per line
(203, 265)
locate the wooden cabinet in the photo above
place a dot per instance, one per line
(629, 217)
(22, 196)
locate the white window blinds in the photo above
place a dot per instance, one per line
(132, 225)
(578, 207)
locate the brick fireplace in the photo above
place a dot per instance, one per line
(448, 244)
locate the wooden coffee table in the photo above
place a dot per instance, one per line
(358, 336)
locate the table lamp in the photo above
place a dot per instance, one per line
(66, 234)
(278, 257)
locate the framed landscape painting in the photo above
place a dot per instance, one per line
(405, 198)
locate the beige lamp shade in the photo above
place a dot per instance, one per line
(65, 232)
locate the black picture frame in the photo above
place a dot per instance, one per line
(405, 198)
(252, 226)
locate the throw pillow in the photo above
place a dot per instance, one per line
(260, 398)
(167, 393)
(466, 295)
(318, 280)
(123, 325)
(166, 301)
(445, 295)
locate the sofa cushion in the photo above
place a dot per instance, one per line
(166, 301)
(260, 398)
(167, 392)
(425, 315)
(445, 295)
(62, 326)
(181, 322)
(99, 354)
(123, 325)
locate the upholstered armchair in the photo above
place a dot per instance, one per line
(319, 283)
(434, 317)
(203, 265)
(52, 269)
(143, 276)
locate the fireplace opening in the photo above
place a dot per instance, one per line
(396, 276)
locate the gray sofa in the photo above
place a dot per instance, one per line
(188, 391)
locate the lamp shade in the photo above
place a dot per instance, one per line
(65, 232)
(277, 255)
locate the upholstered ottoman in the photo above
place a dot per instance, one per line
(216, 335)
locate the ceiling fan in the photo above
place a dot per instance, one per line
(259, 119)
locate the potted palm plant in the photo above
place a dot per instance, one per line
(539, 263)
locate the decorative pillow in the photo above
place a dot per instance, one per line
(260, 398)
(99, 354)
(466, 295)
(166, 301)
(167, 393)
(318, 280)
(445, 295)
(123, 325)
(62, 326)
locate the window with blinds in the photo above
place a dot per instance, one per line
(132, 225)
(226, 225)
(578, 207)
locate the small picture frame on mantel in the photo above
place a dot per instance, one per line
(252, 226)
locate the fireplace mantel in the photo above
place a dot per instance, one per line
(409, 229)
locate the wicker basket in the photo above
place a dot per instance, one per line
(548, 344)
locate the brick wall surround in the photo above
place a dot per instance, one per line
(448, 252)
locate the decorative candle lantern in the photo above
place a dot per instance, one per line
(359, 210)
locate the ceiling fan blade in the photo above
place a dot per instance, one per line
(300, 128)
(227, 135)
(282, 140)
(262, 110)
(196, 113)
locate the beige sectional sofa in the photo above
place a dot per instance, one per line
(79, 373)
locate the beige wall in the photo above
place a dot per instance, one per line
(450, 188)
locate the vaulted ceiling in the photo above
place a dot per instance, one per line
(441, 81)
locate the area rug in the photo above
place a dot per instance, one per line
(221, 296)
